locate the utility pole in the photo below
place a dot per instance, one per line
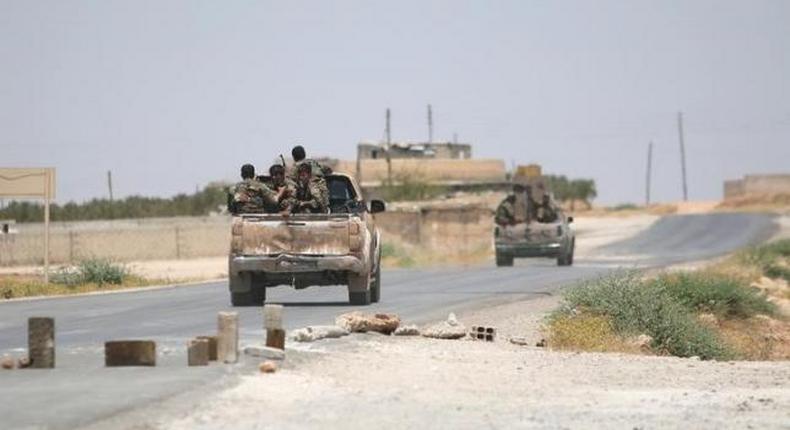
(682, 156)
(109, 183)
(649, 171)
(387, 133)
(430, 124)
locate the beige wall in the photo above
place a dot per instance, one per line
(451, 230)
(757, 185)
(443, 171)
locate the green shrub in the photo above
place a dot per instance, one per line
(98, 271)
(710, 292)
(770, 258)
(636, 307)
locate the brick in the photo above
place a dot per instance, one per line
(275, 338)
(41, 342)
(198, 352)
(130, 353)
(212, 346)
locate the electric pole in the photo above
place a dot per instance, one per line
(682, 156)
(109, 183)
(387, 133)
(649, 171)
(430, 124)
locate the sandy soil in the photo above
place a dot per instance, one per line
(370, 380)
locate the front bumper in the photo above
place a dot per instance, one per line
(288, 263)
(530, 249)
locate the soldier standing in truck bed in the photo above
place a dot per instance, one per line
(249, 195)
(300, 157)
(311, 194)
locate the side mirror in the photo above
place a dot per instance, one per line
(377, 206)
(570, 219)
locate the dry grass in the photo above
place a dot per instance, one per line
(16, 286)
(779, 202)
(587, 333)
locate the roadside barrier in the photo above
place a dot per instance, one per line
(41, 342)
(228, 337)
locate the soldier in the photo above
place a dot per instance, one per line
(311, 195)
(284, 188)
(249, 195)
(300, 157)
(506, 211)
(546, 212)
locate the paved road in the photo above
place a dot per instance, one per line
(81, 391)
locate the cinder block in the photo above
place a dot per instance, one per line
(228, 337)
(487, 334)
(41, 342)
(130, 353)
(275, 338)
(212, 346)
(198, 352)
(273, 317)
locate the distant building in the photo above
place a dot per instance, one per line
(400, 150)
(752, 185)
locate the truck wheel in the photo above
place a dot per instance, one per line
(241, 299)
(503, 259)
(359, 289)
(251, 297)
(566, 258)
(570, 255)
(375, 286)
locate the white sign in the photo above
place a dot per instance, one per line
(27, 182)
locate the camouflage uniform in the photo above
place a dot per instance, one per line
(288, 201)
(318, 169)
(506, 211)
(314, 194)
(546, 212)
(249, 196)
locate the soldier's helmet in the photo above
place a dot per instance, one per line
(305, 167)
(298, 153)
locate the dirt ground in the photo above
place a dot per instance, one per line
(406, 382)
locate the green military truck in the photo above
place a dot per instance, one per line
(530, 235)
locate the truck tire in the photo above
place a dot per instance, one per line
(375, 286)
(251, 297)
(359, 289)
(503, 260)
(566, 258)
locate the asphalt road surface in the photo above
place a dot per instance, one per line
(81, 391)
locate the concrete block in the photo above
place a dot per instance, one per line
(212, 346)
(265, 352)
(273, 317)
(275, 338)
(228, 337)
(130, 353)
(487, 334)
(198, 352)
(41, 342)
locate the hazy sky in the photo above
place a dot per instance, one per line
(170, 95)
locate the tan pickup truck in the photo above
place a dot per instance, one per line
(342, 247)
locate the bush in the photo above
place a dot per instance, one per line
(98, 271)
(709, 292)
(635, 308)
(770, 258)
(584, 332)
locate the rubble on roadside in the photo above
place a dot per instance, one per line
(265, 352)
(316, 332)
(358, 322)
(449, 329)
(407, 330)
(267, 367)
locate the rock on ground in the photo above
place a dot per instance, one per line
(316, 332)
(268, 367)
(358, 322)
(450, 329)
(407, 330)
